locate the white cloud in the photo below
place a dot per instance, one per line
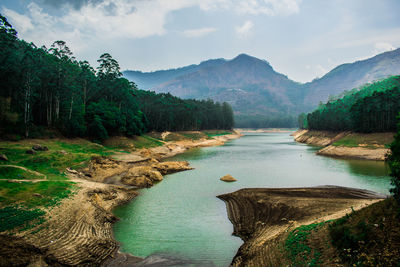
(244, 30)
(20, 22)
(269, 7)
(192, 33)
(132, 19)
(254, 7)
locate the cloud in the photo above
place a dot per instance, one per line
(244, 30)
(254, 7)
(20, 22)
(76, 4)
(193, 33)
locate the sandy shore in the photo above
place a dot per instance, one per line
(262, 217)
(79, 230)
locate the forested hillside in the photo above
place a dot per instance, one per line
(372, 108)
(44, 89)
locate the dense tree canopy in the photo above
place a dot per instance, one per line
(48, 88)
(372, 108)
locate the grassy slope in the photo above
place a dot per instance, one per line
(39, 183)
(373, 140)
(368, 237)
(30, 185)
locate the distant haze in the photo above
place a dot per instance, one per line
(303, 39)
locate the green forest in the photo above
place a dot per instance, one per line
(46, 89)
(371, 108)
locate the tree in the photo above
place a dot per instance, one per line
(394, 163)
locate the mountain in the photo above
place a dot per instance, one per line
(351, 75)
(260, 96)
(148, 80)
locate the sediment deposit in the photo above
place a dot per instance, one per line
(262, 217)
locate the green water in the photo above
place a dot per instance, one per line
(181, 218)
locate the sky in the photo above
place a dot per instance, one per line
(303, 39)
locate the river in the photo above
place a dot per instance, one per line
(181, 218)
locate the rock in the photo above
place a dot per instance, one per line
(72, 171)
(30, 151)
(171, 166)
(38, 147)
(3, 157)
(141, 181)
(141, 176)
(228, 178)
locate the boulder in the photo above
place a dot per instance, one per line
(228, 178)
(141, 181)
(38, 147)
(3, 157)
(171, 166)
(141, 176)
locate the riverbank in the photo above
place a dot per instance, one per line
(77, 230)
(263, 218)
(373, 146)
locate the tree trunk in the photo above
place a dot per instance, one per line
(27, 106)
(70, 108)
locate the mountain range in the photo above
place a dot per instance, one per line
(260, 96)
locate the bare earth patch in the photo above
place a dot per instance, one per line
(263, 217)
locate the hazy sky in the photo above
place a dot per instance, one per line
(300, 38)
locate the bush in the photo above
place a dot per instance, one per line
(394, 163)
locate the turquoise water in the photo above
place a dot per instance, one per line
(181, 218)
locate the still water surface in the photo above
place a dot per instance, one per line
(182, 218)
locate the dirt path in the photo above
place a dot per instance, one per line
(261, 216)
(25, 169)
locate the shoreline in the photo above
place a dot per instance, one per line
(350, 145)
(79, 230)
(262, 217)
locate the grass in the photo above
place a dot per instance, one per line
(216, 133)
(194, 135)
(12, 172)
(137, 142)
(298, 248)
(12, 217)
(146, 141)
(43, 185)
(375, 140)
(369, 237)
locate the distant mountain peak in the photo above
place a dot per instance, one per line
(243, 57)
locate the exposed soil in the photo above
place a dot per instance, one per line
(78, 232)
(354, 152)
(262, 217)
(347, 144)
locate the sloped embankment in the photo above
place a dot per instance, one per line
(262, 217)
(372, 146)
(78, 230)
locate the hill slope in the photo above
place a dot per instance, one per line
(352, 75)
(260, 96)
